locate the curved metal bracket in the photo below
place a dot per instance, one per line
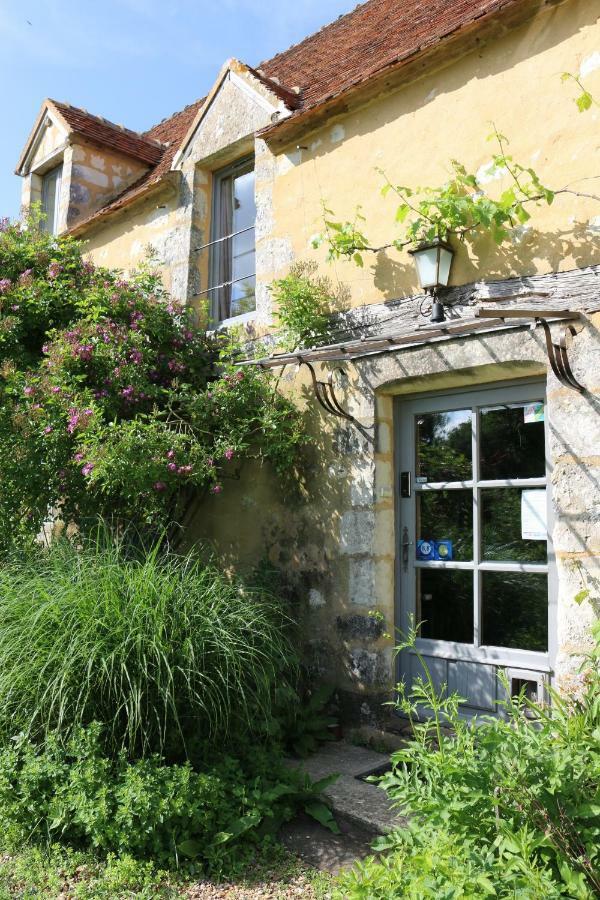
(557, 356)
(325, 394)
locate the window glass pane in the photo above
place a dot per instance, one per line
(50, 199)
(501, 527)
(514, 610)
(512, 441)
(445, 525)
(445, 604)
(233, 259)
(444, 446)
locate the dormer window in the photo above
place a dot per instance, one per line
(233, 253)
(51, 182)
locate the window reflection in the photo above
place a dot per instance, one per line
(512, 441)
(514, 610)
(447, 517)
(444, 446)
(501, 528)
(445, 604)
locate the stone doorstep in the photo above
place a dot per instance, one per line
(353, 801)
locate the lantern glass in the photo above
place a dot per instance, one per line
(433, 262)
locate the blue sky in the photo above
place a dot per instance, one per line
(132, 61)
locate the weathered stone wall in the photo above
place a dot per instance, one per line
(97, 176)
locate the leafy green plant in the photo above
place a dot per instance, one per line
(302, 721)
(504, 809)
(113, 402)
(584, 100)
(165, 650)
(211, 820)
(305, 302)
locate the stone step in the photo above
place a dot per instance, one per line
(352, 800)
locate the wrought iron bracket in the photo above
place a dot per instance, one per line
(325, 394)
(557, 355)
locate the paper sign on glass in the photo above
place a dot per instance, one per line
(533, 515)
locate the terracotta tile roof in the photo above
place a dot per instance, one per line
(142, 147)
(356, 47)
(170, 132)
(366, 41)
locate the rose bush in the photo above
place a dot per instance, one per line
(114, 403)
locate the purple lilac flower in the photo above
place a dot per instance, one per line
(171, 454)
(228, 453)
(136, 356)
(26, 277)
(78, 457)
(87, 469)
(28, 390)
(184, 470)
(159, 486)
(55, 389)
(216, 489)
(48, 429)
(5, 285)
(54, 270)
(172, 467)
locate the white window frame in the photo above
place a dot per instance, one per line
(51, 183)
(240, 167)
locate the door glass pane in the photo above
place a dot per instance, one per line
(243, 264)
(512, 441)
(514, 610)
(444, 446)
(445, 525)
(502, 524)
(445, 604)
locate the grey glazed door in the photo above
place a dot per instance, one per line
(474, 555)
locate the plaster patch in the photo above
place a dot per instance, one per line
(337, 134)
(361, 581)
(98, 162)
(91, 175)
(356, 531)
(287, 161)
(431, 95)
(315, 599)
(316, 144)
(590, 64)
(593, 225)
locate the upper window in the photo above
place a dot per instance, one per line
(233, 254)
(51, 199)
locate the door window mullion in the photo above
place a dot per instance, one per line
(476, 532)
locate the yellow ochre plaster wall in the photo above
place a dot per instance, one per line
(412, 134)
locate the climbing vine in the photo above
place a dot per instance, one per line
(460, 208)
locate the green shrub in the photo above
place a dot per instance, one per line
(73, 793)
(509, 808)
(114, 402)
(305, 303)
(166, 651)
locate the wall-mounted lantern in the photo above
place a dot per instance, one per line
(433, 261)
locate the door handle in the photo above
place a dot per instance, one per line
(406, 543)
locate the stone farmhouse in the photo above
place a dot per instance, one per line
(455, 477)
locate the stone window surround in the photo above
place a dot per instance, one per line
(61, 155)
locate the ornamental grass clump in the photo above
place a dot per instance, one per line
(165, 651)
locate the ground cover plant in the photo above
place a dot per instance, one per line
(114, 401)
(510, 808)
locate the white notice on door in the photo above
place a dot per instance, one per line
(533, 515)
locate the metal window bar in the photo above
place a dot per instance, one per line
(216, 287)
(226, 237)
